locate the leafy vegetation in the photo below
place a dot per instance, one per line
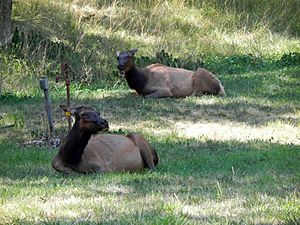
(230, 160)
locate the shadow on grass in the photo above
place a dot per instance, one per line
(121, 108)
(246, 109)
(151, 216)
(189, 173)
(261, 166)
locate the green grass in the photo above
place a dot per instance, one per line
(198, 33)
(214, 182)
(230, 160)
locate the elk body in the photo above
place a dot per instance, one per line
(85, 151)
(158, 81)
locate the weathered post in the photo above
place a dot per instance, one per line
(64, 74)
(44, 86)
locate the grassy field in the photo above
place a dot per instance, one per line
(223, 160)
(231, 160)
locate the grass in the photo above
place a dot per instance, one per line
(230, 160)
(87, 34)
(227, 182)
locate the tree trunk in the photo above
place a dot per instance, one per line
(5, 22)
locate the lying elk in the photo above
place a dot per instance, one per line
(85, 151)
(158, 81)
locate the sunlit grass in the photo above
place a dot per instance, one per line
(93, 30)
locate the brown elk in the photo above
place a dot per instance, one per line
(83, 150)
(158, 81)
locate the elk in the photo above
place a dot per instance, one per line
(160, 81)
(84, 151)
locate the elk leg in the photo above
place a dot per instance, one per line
(59, 166)
(160, 94)
(96, 167)
(91, 166)
(205, 82)
(148, 154)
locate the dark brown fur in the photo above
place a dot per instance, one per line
(136, 80)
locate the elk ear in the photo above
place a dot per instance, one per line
(64, 107)
(133, 51)
(67, 109)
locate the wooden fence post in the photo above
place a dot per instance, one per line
(44, 86)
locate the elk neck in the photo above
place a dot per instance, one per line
(136, 80)
(74, 144)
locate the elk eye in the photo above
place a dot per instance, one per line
(83, 115)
